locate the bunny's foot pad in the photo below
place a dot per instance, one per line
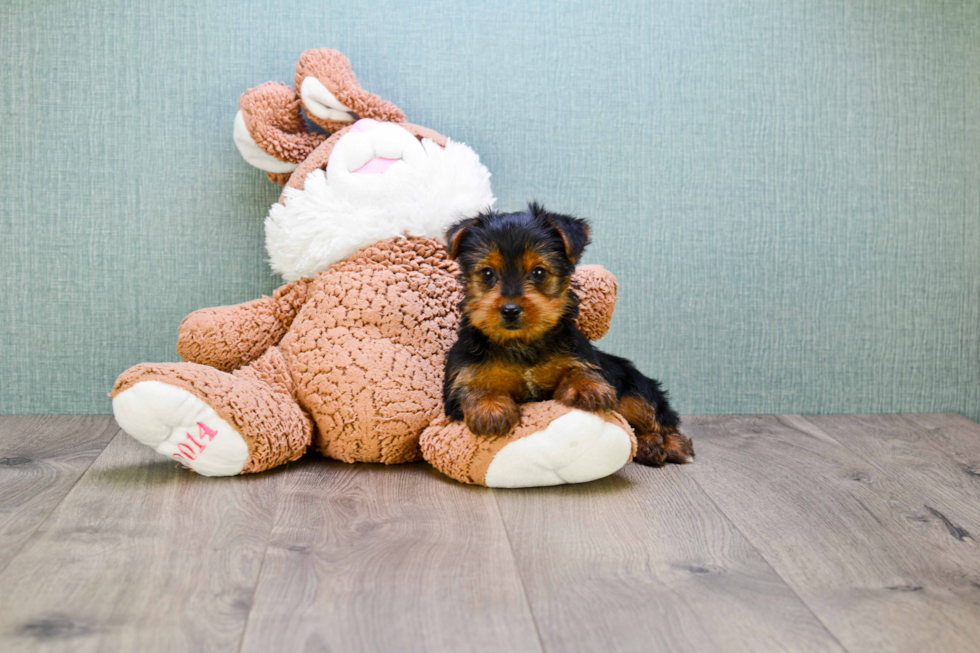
(179, 425)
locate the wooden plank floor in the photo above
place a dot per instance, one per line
(790, 533)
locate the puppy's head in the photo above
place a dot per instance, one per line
(517, 268)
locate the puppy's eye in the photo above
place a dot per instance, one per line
(539, 273)
(488, 276)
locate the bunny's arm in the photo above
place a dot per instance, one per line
(596, 288)
(227, 337)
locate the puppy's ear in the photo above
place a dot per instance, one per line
(454, 235)
(574, 232)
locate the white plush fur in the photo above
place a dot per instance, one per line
(324, 223)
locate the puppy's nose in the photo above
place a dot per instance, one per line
(511, 310)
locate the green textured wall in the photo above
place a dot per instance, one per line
(788, 191)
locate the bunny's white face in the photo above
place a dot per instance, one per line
(368, 162)
(381, 182)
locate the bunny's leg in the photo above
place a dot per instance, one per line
(215, 423)
(551, 445)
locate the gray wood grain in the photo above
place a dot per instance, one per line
(852, 541)
(954, 435)
(645, 561)
(41, 458)
(140, 556)
(916, 458)
(375, 558)
(789, 533)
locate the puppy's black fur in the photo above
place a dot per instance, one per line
(519, 341)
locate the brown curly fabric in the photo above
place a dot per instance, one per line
(367, 349)
(227, 337)
(256, 400)
(333, 70)
(451, 448)
(596, 288)
(273, 118)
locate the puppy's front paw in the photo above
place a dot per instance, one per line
(491, 415)
(588, 392)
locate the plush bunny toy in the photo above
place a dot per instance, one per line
(348, 356)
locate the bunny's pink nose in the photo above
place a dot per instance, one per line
(364, 125)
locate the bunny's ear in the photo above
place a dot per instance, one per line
(270, 132)
(331, 94)
(574, 231)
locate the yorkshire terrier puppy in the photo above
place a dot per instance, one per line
(518, 339)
